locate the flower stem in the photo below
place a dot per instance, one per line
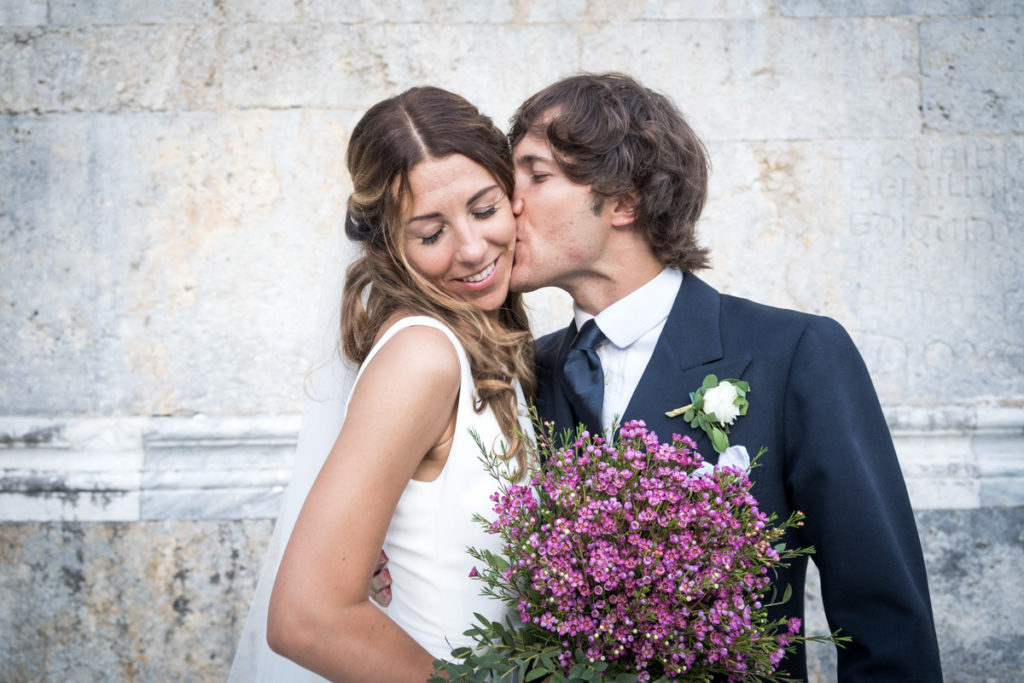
(679, 411)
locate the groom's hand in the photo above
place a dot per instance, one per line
(380, 583)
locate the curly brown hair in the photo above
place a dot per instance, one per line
(392, 137)
(611, 133)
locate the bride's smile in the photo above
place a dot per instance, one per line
(459, 230)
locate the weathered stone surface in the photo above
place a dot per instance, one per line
(105, 12)
(773, 203)
(570, 10)
(682, 9)
(132, 469)
(107, 68)
(875, 232)
(161, 600)
(270, 11)
(972, 557)
(410, 11)
(831, 8)
(22, 12)
(752, 79)
(821, 657)
(153, 601)
(199, 241)
(971, 73)
(353, 66)
(942, 210)
(201, 468)
(975, 561)
(291, 65)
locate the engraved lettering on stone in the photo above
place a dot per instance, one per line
(935, 261)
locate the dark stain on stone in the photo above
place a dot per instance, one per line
(72, 578)
(181, 606)
(72, 535)
(103, 497)
(40, 486)
(25, 37)
(181, 575)
(56, 487)
(32, 439)
(40, 437)
(215, 578)
(953, 566)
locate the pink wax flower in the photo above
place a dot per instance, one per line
(628, 557)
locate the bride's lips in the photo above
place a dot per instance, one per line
(481, 279)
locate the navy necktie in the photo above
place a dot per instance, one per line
(584, 378)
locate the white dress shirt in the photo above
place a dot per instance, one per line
(632, 325)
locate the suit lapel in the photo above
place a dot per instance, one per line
(689, 349)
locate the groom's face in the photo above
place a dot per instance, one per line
(561, 230)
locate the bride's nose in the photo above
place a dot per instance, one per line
(472, 245)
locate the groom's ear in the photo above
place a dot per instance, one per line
(624, 209)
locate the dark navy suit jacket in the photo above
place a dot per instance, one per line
(829, 454)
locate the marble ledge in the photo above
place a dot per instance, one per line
(236, 467)
(134, 469)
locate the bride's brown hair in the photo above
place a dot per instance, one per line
(391, 138)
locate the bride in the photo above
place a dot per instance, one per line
(444, 353)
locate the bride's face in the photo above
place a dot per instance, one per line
(460, 233)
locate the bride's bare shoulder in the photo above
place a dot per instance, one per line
(418, 348)
(390, 322)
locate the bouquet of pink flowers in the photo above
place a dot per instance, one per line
(624, 562)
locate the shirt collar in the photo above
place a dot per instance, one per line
(637, 313)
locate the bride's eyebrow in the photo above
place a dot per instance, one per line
(469, 202)
(480, 193)
(425, 217)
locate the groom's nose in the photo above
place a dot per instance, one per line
(517, 205)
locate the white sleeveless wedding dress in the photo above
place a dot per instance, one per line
(433, 596)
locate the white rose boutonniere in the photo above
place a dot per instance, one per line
(720, 401)
(714, 407)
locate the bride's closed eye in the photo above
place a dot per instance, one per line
(486, 213)
(430, 239)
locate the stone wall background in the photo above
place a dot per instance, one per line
(172, 180)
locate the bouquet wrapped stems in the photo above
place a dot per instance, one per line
(622, 562)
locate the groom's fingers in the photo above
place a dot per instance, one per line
(380, 582)
(380, 564)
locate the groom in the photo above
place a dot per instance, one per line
(610, 182)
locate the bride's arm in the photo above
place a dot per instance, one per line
(319, 612)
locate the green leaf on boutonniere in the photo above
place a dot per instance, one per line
(714, 407)
(719, 440)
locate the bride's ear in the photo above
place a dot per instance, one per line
(624, 209)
